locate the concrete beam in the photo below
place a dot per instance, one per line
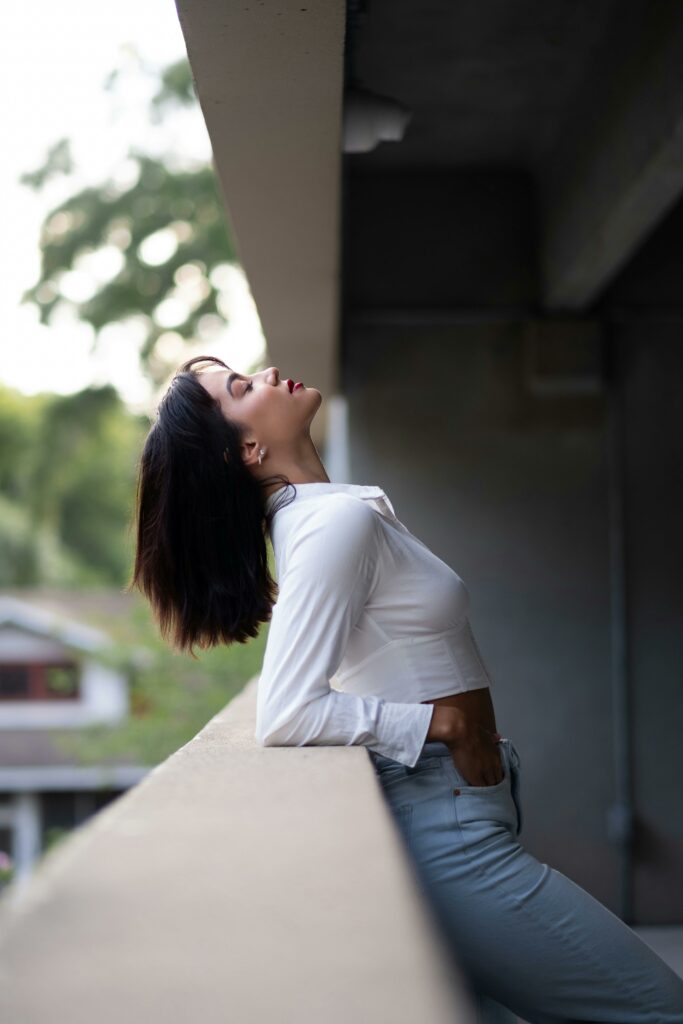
(619, 166)
(233, 883)
(269, 77)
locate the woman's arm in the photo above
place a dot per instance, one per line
(465, 722)
(446, 726)
(330, 570)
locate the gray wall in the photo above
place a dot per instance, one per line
(652, 362)
(511, 490)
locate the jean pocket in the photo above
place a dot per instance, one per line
(480, 811)
(466, 787)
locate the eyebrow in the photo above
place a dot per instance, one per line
(229, 381)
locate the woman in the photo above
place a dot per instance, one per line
(362, 601)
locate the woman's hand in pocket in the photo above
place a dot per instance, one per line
(477, 756)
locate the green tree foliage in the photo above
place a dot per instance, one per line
(67, 473)
(172, 696)
(68, 463)
(67, 468)
(184, 201)
(20, 418)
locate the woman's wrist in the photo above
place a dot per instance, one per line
(447, 725)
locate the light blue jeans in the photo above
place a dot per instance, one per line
(529, 941)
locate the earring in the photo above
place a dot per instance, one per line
(262, 452)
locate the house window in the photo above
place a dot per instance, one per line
(53, 681)
(60, 681)
(14, 682)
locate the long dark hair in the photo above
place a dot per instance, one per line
(200, 522)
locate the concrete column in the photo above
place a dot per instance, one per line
(26, 846)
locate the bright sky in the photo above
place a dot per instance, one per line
(54, 60)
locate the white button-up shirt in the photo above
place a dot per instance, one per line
(367, 624)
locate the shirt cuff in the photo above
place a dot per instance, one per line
(402, 731)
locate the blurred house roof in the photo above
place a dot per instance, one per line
(87, 618)
(91, 620)
(38, 748)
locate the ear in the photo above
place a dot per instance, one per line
(250, 450)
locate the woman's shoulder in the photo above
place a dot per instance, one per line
(337, 512)
(330, 526)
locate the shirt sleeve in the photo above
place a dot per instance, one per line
(331, 563)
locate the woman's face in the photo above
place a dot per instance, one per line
(263, 403)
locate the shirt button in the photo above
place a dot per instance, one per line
(456, 792)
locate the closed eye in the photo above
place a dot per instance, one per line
(249, 387)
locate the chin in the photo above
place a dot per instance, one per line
(316, 404)
(312, 390)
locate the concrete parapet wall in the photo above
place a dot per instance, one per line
(234, 882)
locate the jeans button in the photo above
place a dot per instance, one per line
(456, 792)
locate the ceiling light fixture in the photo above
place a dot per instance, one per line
(370, 118)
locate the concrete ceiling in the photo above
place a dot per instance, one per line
(585, 97)
(489, 81)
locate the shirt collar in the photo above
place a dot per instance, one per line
(314, 488)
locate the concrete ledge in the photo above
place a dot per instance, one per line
(234, 882)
